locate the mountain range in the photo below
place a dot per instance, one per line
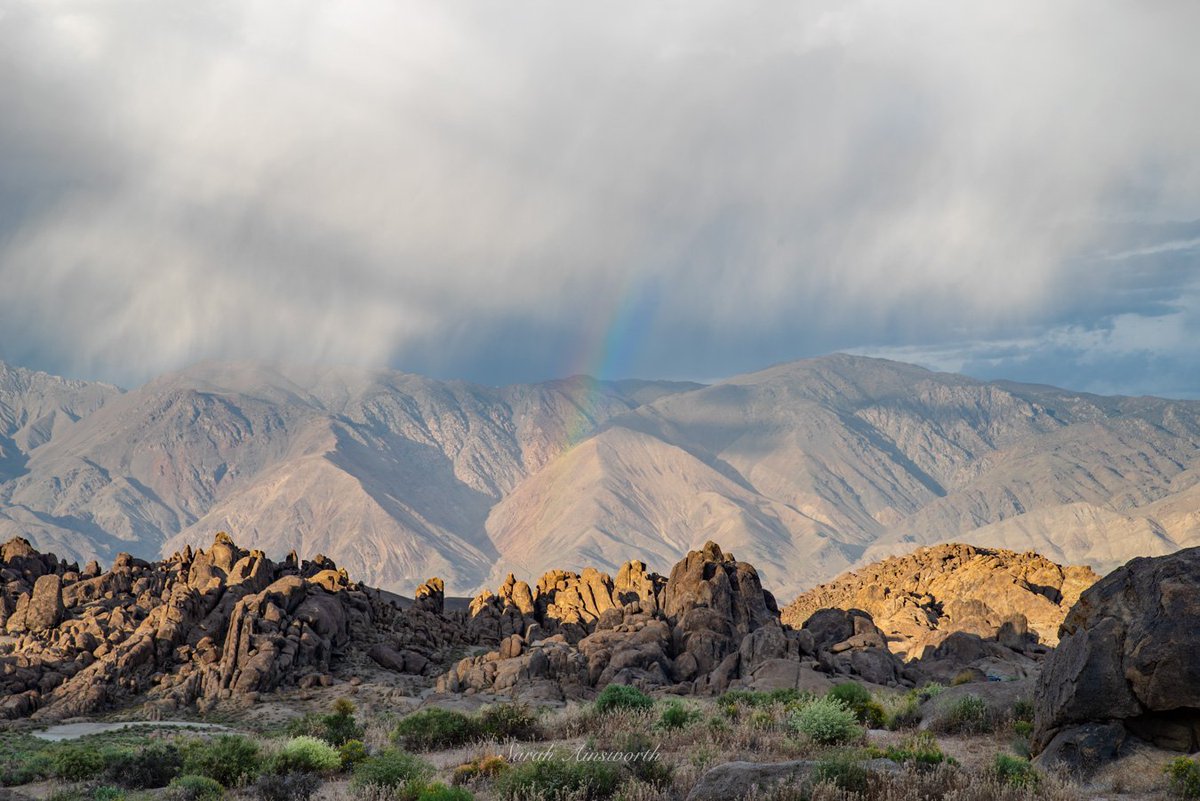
(805, 469)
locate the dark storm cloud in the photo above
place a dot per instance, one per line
(513, 191)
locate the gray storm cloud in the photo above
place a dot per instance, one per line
(479, 189)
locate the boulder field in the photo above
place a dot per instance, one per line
(224, 625)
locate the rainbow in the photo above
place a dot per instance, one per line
(608, 350)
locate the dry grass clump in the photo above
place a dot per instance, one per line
(947, 783)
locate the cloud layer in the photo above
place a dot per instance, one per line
(512, 191)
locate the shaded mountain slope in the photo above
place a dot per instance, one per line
(806, 468)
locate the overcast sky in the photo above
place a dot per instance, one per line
(507, 191)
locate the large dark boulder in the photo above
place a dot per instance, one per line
(1129, 654)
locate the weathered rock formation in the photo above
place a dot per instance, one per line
(707, 627)
(195, 628)
(227, 625)
(953, 606)
(1128, 662)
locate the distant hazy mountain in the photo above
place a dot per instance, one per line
(804, 469)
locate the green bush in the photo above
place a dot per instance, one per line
(1023, 711)
(227, 758)
(434, 728)
(967, 714)
(340, 724)
(295, 786)
(1015, 771)
(440, 792)
(390, 768)
(676, 716)
(921, 750)
(901, 712)
(851, 693)
(352, 752)
(559, 778)
(107, 792)
(305, 755)
(622, 696)
(309, 724)
(153, 765)
(76, 763)
(858, 700)
(826, 721)
(1183, 775)
(336, 728)
(194, 788)
(509, 721)
(930, 690)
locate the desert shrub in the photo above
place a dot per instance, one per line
(1023, 711)
(901, 712)
(787, 695)
(106, 792)
(676, 716)
(305, 755)
(227, 758)
(335, 728)
(858, 699)
(194, 788)
(827, 721)
(963, 677)
(390, 768)
(76, 763)
(851, 693)
(352, 752)
(1015, 771)
(644, 763)
(153, 765)
(930, 690)
(14, 774)
(967, 714)
(921, 750)
(434, 728)
(509, 721)
(488, 767)
(309, 724)
(440, 792)
(1023, 730)
(622, 696)
(340, 724)
(741, 698)
(558, 778)
(1183, 776)
(296, 786)
(843, 771)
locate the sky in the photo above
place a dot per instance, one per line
(514, 191)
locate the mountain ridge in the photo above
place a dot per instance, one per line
(805, 468)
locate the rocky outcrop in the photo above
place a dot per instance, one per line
(198, 628)
(707, 627)
(431, 596)
(848, 643)
(226, 625)
(1129, 657)
(956, 606)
